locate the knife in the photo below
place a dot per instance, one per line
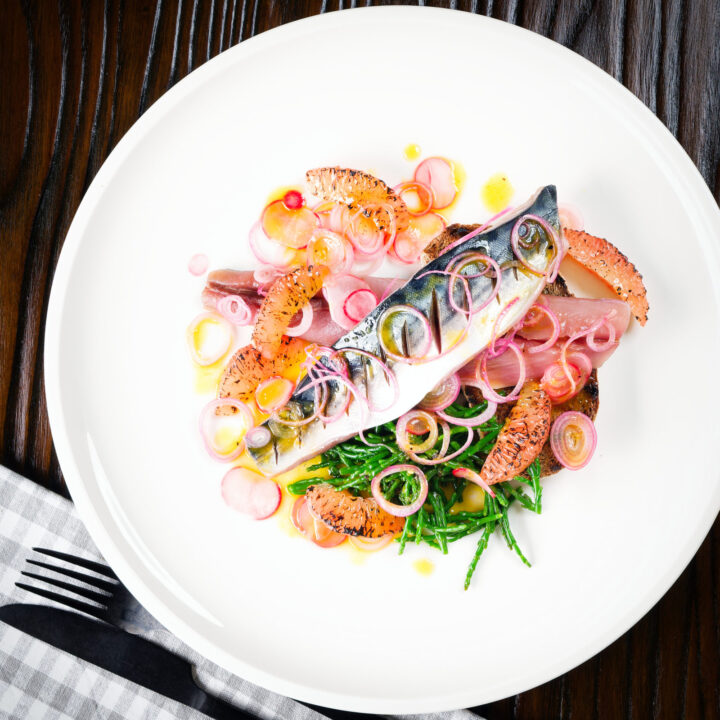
(121, 653)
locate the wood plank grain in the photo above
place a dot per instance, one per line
(77, 75)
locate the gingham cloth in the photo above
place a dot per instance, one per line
(39, 682)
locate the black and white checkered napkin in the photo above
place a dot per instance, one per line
(39, 682)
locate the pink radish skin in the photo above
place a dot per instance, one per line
(438, 174)
(250, 493)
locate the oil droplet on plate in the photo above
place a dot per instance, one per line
(412, 152)
(424, 566)
(497, 192)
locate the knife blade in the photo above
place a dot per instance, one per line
(121, 653)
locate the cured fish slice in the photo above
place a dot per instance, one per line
(603, 259)
(455, 337)
(351, 515)
(362, 191)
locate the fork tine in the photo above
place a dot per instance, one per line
(97, 597)
(63, 600)
(97, 582)
(87, 564)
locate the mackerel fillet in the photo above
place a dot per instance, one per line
(455, 340)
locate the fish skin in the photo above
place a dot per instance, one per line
(415, 380)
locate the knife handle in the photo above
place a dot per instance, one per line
(218, 709)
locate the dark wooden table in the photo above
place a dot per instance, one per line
(74, 76)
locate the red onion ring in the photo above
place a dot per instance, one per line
(442, 457)
(401, 431)
(473, 477)
(555, 332)
(464, 260)
(258, 437)
(392, 508)
(287, 389)
(484, 383)
(442, 395)
(393, 309)
(483, 417)
(305, 322)
(211, 407)
(416, 185)
(240, 314)
(516, 242)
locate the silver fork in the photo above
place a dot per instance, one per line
(110, 600)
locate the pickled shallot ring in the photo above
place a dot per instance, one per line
(258, 437)
(573, 439)
(518, 242)
(484, 383)
(209, 409)
(602, 347)
(442, 457)
(443, 394)
(271, 404)
(409, 310)
(477, 231)
(401, 431)
(305, 322)
(456, 267)
(392, 508)
(539, 307)
(320, 400)
(416, 185)
(483, 417)
(235, 310)
(590, 332)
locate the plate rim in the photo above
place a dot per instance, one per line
(671, 153)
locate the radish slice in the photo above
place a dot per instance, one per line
(270, 252)
(209, 337)
(437, 173)
(292, 227)
(313, 529)
(370, 544)
(250, 493)
(337, 290)
(273, 393)
(360, 303)
(198, 264)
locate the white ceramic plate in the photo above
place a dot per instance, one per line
(354, 88)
